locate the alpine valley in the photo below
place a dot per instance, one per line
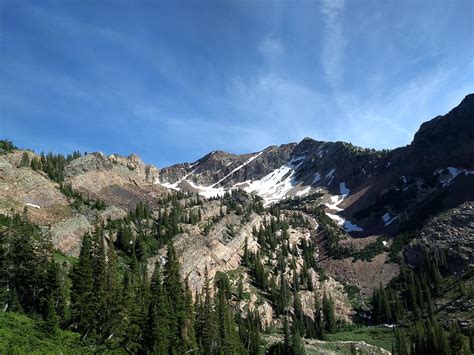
(310, 247)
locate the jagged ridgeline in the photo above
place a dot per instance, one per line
(309, 247)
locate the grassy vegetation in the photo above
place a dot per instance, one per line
(378, 336)
(61, 258)
(20, 334)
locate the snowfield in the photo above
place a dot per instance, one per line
(277, 185)
(388, 219)
(317, 178)
(32, 205)
(445, 178)
(345, 223)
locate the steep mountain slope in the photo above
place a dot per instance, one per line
(119, 181)
(412, 205)
(366, 191)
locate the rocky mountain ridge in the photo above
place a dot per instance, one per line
(351, 179)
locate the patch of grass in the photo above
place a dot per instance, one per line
(20, 334)
(61, 258)
(378, 336)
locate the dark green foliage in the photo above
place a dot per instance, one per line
(35, 163)
(292, 342)
(399, 242)
(157, 327)
(176, 299)
(411, 293)
(29, 279)
(229, 341)
(25, 160)
(249, 332)
(6, 146)
(328, 314)
(207, 327)
(331, 234)
(408, 300)
(79, 200)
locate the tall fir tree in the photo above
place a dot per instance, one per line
(328, 313)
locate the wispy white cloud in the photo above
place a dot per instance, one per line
(334, 41)
(271, 47)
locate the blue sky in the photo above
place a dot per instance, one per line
(173, 80)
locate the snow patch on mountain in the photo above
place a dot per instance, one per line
(343, 190)
(335, 200)
(238, 168)
(175, 185)
(274, 186)
(388, 219)
(351, 227)
(317, 178)
(32, 205)
(330, 176)
(344, 223)
(207, 191)
(304, 192)
(446, 176)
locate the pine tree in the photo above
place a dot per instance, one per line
(246, 253)
(249, 332)
(189, 331)
(25, 160)
(35, 164)
(176, 298)
(328, 313)
(115, 324)
(229, 342)
(283, 294)
(402, 345)
(51, 320)
(297, 345)
(207, 322)
(456, 341)
(287, 348)
(157, 331)
(318, 319)
(298, 322)
(385, 304)
(240, 288)
(82, 314)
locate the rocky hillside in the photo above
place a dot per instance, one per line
(119, 182)
(365, 191)
(290, 232)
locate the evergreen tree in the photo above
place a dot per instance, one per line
(25, 160)
(297, 345)
(298, 322)
(283, 294)
(157, 331)
(51, 319)
(318, 318)
(456, 341)
(229, 342)
(176, 298)
(207, 322)
(328, 313)
(82, 313)
(402, 346)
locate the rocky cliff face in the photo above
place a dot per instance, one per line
(22, 187)
(121, 182)
(117, 180)
(451, 233)
(366, 191)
